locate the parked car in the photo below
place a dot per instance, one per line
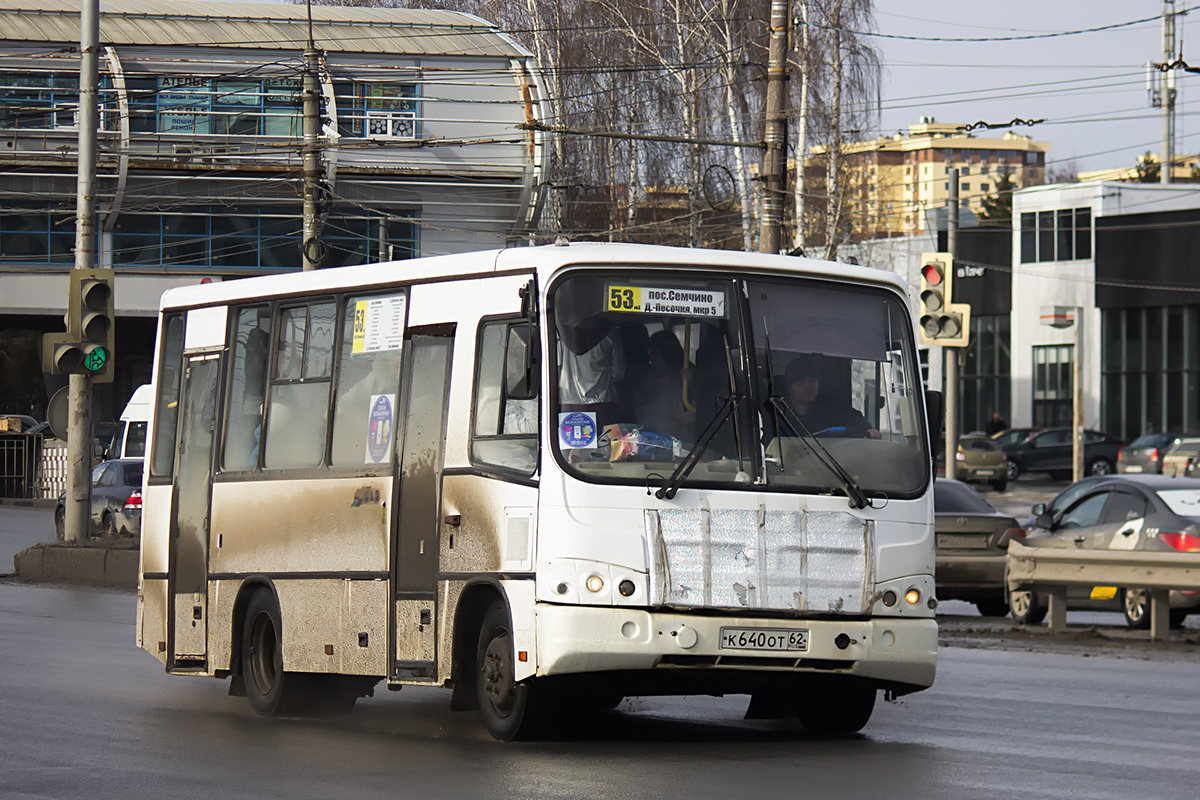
(972, 544)
(981, 460)
(1051, 450)
(116, 500)
(1127, 512)
(1182, 458)
(1014, 435)
(17, 423)
(1144, 455)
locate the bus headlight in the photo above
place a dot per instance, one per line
(912, 596)
(595, 584)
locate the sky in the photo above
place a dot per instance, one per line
(1089, 87)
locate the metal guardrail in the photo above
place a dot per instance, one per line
(1052, 569)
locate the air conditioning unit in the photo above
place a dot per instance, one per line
(391, 124)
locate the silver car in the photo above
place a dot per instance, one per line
(116, 500)
(1118, 512)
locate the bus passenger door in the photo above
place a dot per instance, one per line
(189, 523)
(426, 382)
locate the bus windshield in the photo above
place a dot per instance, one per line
(796, 384)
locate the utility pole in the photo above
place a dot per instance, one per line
(950, 354)
(1167, 92)
(313, 249)
(775, 134)
(79, 421)
(1077, 400)
(801, 128)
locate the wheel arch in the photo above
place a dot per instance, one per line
(473, 603)
(238, 616)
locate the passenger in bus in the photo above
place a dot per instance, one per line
(821, 413)
(662, 406)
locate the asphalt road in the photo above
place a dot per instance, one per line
(86, 714)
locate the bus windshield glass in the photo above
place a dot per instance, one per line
(795, 384)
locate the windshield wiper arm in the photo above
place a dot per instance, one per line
(858, 498)
(670, 487)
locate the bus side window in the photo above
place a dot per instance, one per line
(505, 430)
(247, 388)
(166, 412)
(364, 406)
(299, 406)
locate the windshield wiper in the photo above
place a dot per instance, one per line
(731, 406)
(854, 492)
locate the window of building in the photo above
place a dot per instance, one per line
(299, 402)
(221, 105)
(985, 187)
(1150, 370)
(377, 109)
(36, 234)
(504, 430)
(238, 237)
(1062, 235)
(965, 187)
(38, 100)
(1052, 385)
(985, 377)
(966, 170)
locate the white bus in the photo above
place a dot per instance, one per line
(546, 478)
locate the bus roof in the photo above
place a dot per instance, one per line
(543, 260)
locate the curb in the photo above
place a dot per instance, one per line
(90, 566)
(28, 503)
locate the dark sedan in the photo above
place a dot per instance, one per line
(1145, 454)
(1127, 512)
(116, 500)
(972, 547)
(1051, 451)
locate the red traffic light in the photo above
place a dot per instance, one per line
(932, 273)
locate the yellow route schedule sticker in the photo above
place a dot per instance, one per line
(667, 300)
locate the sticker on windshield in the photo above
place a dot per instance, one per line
(577, 430)
(1184, 502)
(666, 300)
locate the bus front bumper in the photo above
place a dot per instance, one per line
(581, 639)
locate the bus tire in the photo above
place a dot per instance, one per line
(262, 655)
(509, 709)
(835, 708)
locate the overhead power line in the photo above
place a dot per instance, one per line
(1022, 37)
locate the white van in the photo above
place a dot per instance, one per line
(130, 439)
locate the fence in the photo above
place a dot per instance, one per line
(1052, 570)
(32, 467)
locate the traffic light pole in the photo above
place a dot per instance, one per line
(950, 354)
(79, 423)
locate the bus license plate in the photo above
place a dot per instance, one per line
(774, 640)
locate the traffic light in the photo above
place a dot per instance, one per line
(91, 322)
(942, 321)
(87, 346)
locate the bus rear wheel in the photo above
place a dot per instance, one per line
(262, 655)
(510, 710)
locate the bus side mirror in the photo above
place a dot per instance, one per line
(934, 410)
(520, 362)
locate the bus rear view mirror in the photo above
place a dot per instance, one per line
(934, 409)
(520, 363)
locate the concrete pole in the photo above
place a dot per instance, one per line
(79, 422)
(1167, 90)
(950, 354)
(1077, 399)
(312, 251)
(775, 135)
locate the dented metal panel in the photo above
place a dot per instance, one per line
(152, 621)
(802, 561)
(330, 525)
(415, 630)
(476, 534)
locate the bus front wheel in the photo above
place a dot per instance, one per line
(510, 710)
(835, 708)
